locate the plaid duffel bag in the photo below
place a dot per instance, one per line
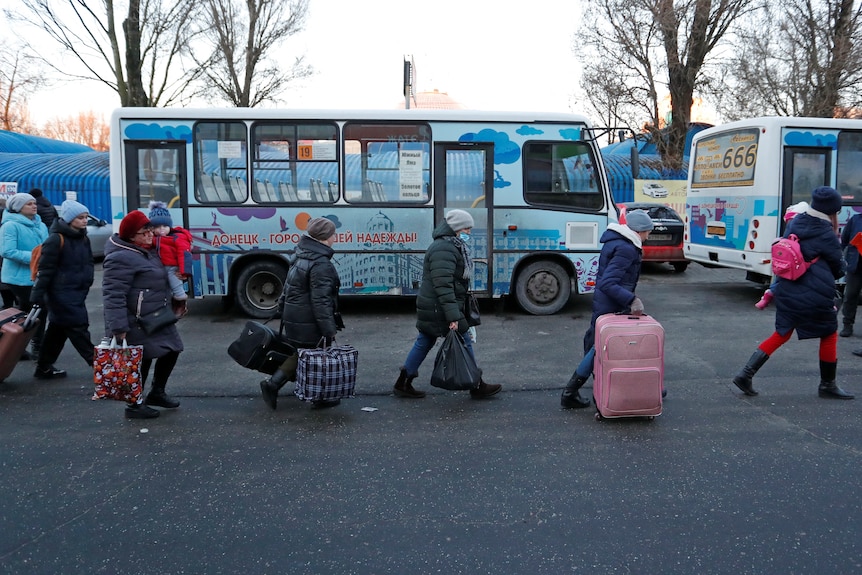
(326, 373)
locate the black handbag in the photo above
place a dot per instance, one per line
(156, 320)
(471, 310)
(259, 348)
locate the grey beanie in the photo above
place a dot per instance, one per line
(17, 201)
(320, 229)
(639, 221)
(459, 220)
(71, 210)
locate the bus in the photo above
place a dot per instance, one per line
(245, 182)
(743, 176)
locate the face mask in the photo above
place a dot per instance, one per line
(465, 237)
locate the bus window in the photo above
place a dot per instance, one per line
(387, 163)
(849, 167)
(560, 174)
(295, 162)
(220, 162)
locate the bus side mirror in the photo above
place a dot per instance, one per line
(636, 161)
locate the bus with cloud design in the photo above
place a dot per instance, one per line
(245, 182)
(744, 175)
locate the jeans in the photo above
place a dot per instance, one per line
(585, 368)
(423, 344)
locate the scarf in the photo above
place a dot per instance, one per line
(465, 253)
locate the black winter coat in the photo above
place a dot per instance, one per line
(65, 275)
(46, 210)
(135, 276)
(808, 304)
(310, 295)
(444, 289)
(617, 278)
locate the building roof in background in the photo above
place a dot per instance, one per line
(647, 146)
(15, 143)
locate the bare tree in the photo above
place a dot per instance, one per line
(19, 77)
(661, 44)
(83, 128)
(797, 58)
(135, 53)
(235, 50)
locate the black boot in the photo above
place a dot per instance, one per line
(140, 411)
(269, 388)
(404, 386)
(159, 398)
(571, 398)
(847, 331)
(743, 378)
(485, 390)
(828, 387)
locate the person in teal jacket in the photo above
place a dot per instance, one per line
(21, 231)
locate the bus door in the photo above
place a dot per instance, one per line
(155, 171)
(464, 179)
(804, 170)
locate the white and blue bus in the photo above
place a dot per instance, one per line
(743, 176)
(245, 182)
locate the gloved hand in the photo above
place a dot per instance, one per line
(637, 307)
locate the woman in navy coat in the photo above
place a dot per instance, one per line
(808, 304)
(616, 281)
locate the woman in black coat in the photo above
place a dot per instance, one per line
(808, 303)
(136, 283)
(310, 304)
(64, 278)
(446, 274)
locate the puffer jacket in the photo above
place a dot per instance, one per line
(850, 231)
(618, 275)
(807, 304)
(175, 249)
(135, 278)
(19, 235)
(310, 299)
(65, 275)
(443, 290)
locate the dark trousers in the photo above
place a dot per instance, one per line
(851, 297)
(55, 338)
(161, 372)
(22, 295)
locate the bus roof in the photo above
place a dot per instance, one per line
(311, 114)
(777, 122)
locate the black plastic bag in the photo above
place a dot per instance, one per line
(455, 369)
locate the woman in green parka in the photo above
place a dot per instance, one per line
(446, 276)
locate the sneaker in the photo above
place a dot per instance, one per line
(49, 373)
(141, 411)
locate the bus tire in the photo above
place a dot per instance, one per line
(543, 288)
(258, 288)
(679, 267)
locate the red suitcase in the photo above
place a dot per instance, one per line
(629, 367)
(16, 331)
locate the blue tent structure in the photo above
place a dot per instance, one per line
(13, 142)
(618, 164)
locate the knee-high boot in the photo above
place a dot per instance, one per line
(269, 388)
(571, 398)
(743, 378)
(828, 387)
(404, 386)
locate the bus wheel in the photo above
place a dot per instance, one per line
(543, 288)
(258, 288)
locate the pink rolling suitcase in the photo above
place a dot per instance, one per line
(629, 367)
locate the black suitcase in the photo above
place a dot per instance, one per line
(260, 348)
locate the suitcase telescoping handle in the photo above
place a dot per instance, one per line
(30, 320)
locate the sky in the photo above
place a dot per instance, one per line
(485, 54)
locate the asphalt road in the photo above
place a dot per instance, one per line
(720, 483)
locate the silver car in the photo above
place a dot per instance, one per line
(98, 231)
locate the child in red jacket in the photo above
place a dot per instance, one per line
(174, 245)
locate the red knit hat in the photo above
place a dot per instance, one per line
(132, 224)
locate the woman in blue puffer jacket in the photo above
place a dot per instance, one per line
(808, 303)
